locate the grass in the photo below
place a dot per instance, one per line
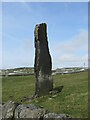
(72, 100)
(18, 87)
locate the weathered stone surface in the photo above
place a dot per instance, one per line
(29, 111)
(43, 62)
(8, 109)
(55, 116)
(14, 110)
(50, 115)
(0, 111)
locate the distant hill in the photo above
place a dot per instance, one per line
(30, 71)
(18, 71)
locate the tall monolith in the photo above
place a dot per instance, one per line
(43, 62)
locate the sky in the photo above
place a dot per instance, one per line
(67, 30)
(45, 0)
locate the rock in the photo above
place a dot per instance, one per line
(50, 115)
(56, 90)
(0, 111)
(29, 111)
(53, 92)
(8, 109)
(49, 98)
(14, 110)
(54, 96)
(55, 116)
(63, 116)
(43, 62)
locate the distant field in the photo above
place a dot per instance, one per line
(72, 100)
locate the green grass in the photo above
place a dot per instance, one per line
(18, 87)
(73, 99)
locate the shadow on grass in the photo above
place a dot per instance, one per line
(56, 90)
(59, 88)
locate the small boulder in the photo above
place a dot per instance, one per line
(0, 111)
(29, 111)
(15, 110)
(55, 116)
(50, 115)
(8, 109)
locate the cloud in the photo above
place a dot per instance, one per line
(73, 52)
(70, 61)
(63, 54)
(62, 57)
(76, 43)
(73, 58)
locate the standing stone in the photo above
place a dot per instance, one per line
(43, 62)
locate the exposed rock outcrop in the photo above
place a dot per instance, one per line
(0, 111)
(29, 111)
(43, 62)
(13, 110)
(8, 109)
(55, 116)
